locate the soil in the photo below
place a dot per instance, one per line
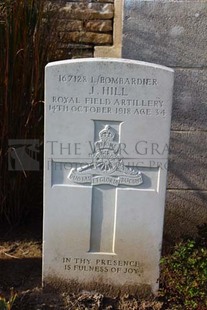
(20, 269)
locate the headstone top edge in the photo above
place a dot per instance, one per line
(109, 60)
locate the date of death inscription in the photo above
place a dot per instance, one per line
(77, 264)
(108, 95)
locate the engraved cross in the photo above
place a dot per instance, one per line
(106, 173)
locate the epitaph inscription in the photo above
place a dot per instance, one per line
(101, 266)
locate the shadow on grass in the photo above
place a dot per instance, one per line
(20, 273)
(30, 229)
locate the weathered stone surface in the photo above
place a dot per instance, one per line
(115, 50)
(71, 51)
(169, 33)
(88, 53)
(87, 11)
(86, 1)
(189, 102)
(185, 210)
(79, 23)
(99, 25)
(71, 25)
(75, 46)
(86, 37)
(103, 1)
(188, 160)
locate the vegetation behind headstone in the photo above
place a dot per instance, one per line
(28, 36)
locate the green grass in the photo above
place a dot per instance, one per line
(184, 274)
(7, 304)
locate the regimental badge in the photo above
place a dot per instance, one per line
(107, 166)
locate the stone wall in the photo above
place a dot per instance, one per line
(173, 33)
(83, 25)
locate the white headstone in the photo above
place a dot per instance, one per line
(107, 125)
